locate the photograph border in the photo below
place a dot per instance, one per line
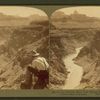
(50, 93)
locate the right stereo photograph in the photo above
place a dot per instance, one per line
(75, 48)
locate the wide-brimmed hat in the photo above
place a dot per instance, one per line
(35, 53)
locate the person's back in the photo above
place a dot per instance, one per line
(42, 66)
(39, 68)
(40, 63)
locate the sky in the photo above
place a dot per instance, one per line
(92, 11)
(21, 11)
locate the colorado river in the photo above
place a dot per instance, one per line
(76, 71)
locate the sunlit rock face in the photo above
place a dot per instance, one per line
(89, 58)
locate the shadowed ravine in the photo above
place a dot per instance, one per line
(75, 70)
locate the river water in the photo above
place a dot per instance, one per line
(76, 71)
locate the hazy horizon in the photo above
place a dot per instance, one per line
(91, 11)
(21, 11)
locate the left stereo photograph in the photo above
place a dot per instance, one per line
(24, 48)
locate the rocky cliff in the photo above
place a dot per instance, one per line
(89, 59)
(16, 55)
(74, 20)
(64, 42)
(72, 31)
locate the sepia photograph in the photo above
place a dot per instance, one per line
(56, 52)
(24, 48)
(75, 48)
(49, 49)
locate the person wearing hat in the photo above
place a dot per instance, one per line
(39, 68)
